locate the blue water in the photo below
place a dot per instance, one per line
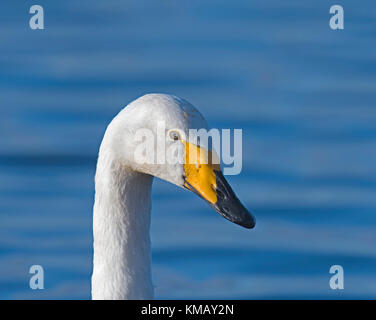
(303, 94)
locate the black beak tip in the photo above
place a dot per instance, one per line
(248, 222)
(229, 206)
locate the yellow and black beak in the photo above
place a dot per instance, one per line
(205, 178)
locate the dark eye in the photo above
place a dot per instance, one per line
(174, 135)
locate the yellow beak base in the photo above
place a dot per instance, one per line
(205, 178)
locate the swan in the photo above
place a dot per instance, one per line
(122, 204)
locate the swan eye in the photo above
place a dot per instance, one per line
(174, 135)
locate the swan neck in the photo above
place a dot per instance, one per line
(121, 223)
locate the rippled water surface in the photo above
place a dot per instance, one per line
(303, 94)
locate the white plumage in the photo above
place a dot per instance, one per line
(121, 219)
(122, 257)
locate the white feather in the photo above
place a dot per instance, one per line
(121, 218)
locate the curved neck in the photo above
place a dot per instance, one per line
(121, 222)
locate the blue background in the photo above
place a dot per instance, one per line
(303, 94)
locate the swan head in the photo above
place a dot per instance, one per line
(157, 135)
